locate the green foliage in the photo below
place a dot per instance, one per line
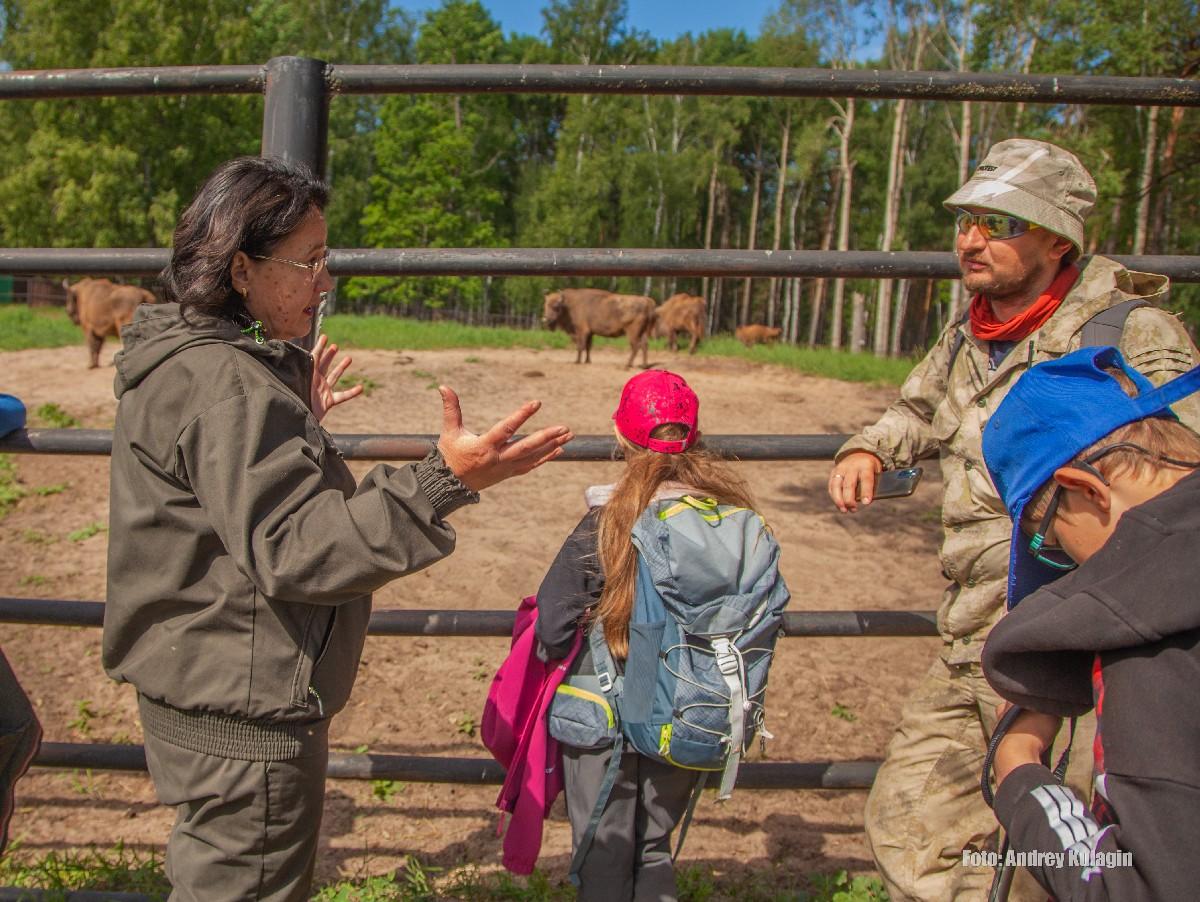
(113, 870)
(53, 415)
(22, 328)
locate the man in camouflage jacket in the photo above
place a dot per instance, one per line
(925, 808)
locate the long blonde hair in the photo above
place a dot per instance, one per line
(704, 474)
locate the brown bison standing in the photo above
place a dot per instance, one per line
(102, 308)
(756, 333)
(584, 312)
(682, 313)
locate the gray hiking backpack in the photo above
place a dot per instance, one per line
(707, 613)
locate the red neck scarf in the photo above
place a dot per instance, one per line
(986, 327)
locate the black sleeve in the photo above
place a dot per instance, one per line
(571, 586)
(1145, 858)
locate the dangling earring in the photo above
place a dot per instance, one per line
(256, 327)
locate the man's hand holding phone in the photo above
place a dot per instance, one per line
(870, 482)
(853, 479)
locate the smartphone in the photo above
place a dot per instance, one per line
(897, 483)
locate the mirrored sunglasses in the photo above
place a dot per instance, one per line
(996, 226)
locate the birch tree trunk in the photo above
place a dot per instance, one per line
(819, 287)
(858, 321)
(891, 214)
(847, 166)
(708, 225)
(1145, 183)
(780, 190)
(744, 316)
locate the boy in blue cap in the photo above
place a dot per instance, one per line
(1099, 478)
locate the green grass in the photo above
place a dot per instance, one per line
(125, 870)
(114, 870)
(392, 333)
(11, 490)
(350, 380)
(86, 532)
(55, 417)
(22, 328)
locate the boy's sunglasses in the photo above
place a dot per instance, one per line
(1053, 556)
(993, 225)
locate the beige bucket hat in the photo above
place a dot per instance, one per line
(1035, 181)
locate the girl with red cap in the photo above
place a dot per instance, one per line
(593, 581)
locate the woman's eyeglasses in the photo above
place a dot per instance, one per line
(314, 269)
(1053, 556)
(993, 225)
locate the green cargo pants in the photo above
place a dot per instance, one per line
(245, 830)
(925, 807)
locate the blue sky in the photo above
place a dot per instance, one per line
(662, 18)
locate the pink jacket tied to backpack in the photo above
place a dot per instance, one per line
(515, 732)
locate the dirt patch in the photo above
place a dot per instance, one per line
(423, 696)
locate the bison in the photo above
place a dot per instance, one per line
(682, 313)
(756, 333)
(102, 308)
(584, 312)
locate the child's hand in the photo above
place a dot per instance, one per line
(484, 460)
(1026, 742)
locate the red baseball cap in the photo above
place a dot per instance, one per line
(652, 399)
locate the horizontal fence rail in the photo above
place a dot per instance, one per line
(549, 261)
(762, 82)
(672, 80)
(98, 442)
(471, 771)
(464, 623)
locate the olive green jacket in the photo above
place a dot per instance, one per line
(943, 409)
(242, 554)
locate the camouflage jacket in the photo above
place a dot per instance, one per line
(944, 405)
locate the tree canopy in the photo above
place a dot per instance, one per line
(495, 170)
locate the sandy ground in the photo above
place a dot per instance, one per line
(423, 696)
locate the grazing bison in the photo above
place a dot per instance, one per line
(682, 313)
(102, 308)
(584, 312)
(756, 333)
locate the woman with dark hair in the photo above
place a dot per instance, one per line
(242, 554)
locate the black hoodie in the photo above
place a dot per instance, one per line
(1122, 634)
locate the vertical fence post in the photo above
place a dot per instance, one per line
(296, 120)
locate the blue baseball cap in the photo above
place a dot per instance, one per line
(1054, 411)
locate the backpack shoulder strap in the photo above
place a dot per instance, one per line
(1105, 327)
(957, 339)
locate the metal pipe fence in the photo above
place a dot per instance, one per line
(297, 93)
(552, 261)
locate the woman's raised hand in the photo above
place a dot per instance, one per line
(484, 460)
(326, 373)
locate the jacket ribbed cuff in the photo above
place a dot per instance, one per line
(445, 491)
(221, 735)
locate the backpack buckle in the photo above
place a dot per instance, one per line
(605, 680)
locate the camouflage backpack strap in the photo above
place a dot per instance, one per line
(1105, 328)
